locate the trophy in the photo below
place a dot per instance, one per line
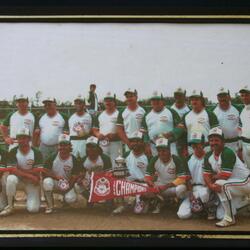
(120, 170)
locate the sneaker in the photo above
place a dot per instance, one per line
(157, 209)
(211, 216)
(118, 210)
(7, 211)
(48, 210)
(225, 223)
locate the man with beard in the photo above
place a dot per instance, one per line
(80, 125)
(129, 119)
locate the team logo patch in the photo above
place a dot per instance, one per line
(102, 187)
(139, 116)
(113, 120)
(30, 163)
(140, 165)
(78, 127)
(163, 118)
(55, 123)
(201, 120)
(171, 170)
(231, 117)
(27, 122)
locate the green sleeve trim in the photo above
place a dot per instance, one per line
(120, 119)
(207, 166)
(6, 121)
(49, 161)
(213, 121)
(126, 154)
(176, 117)
(151, 166)
(107, 162)
(228, 159)
(238, 107)
(66, 118)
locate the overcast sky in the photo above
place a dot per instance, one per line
(61, 60)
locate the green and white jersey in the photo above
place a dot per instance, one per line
(167, 172)
(80, 124)
(245, 120)
(137, 165)
(229, 121)
(181, 112)
(106, 122)
(202, 122)
(33, 159)
(64, 168)
(227, 164)
(156, 123)
(52, 127)
(195, 166)
(131, 120)
(16, 121)
(3, 158)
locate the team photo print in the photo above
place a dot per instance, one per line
(125, 126)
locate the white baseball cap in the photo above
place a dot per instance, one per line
(156, 95)
(180, 91)
(162, 143)
(223, 91)
(216, 131)
(196, 93)
(245, 89)
(136, 135)
(22, 97)
(79, 98)
(110, 95)
(64, 139)
(23, 132)
(196, 137)
(132, 91)
(92, 140)
(49, 99)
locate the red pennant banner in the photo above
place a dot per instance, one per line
(104, 186)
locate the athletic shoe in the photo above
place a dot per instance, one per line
(225, 223)
(48, 210)
(118, 210)
(7, 211)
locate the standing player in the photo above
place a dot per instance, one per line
(228, 116)
(50, 126)
(199, 192)
(61, 175)
(92, 100)
(170, 172)
(80, 125)
(159, 121)
(22, 118)
(105, 128)
(245, 120)
(25, 164)
(129, 119)
(225, 174)
(199, 119)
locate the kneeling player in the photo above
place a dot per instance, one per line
(61, 175)
(171, 173)
(136, 162)
(24, 163)
(199, 192)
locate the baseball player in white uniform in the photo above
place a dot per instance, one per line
(105, 128)
(225, 174)
(130, 118)
(22, 118)
(158, 122)
(199, 119)
(50, 126)
(63, 168)
(80, 125)
(228, 116)
(198, 190)
(245, 121)
(136, 163)
(169, 171)
(24, 164)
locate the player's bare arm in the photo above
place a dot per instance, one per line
(4, 131)
(122, 135)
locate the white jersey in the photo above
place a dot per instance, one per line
(228, 121)
(181, 112)
(107, 122)
(17, 121)
(25, 161)
(51, 128)
(131, 120)
(62, 168)
(195, 166)
(137, 166)
(80, 124)
(245, 120)
(159, 122)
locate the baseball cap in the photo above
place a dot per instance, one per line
(64, 139)
(196, 93)
(136, 135)
(92, 140)
(196, 137)
(79, 98)
(245, 89)
(180, 91)
(216, 131)
(22, 97)
(223, 91)
(156, 95)
(132, 91)
(49, 99)
(109, 95)
(162, 143)
(23, 132)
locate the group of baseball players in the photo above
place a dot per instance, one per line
(197, 157)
